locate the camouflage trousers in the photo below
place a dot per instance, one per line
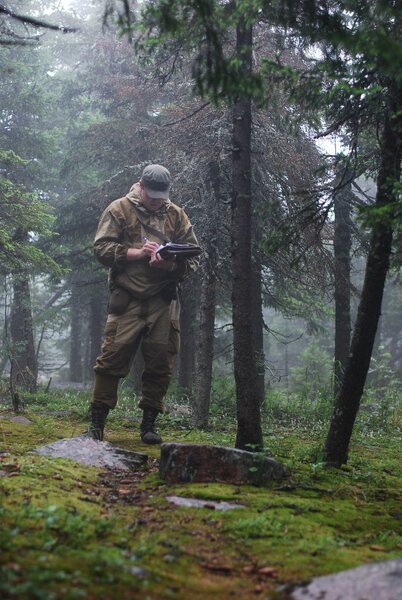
(146, 324)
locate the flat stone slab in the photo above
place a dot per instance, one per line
(195, 503)
(185, 463)
(21, 420)
(376, 581)
(97, 454)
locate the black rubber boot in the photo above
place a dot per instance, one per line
(99, 413)
(147, 431)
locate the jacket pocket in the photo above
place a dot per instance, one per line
(119, 300)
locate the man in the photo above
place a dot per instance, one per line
(143, 309)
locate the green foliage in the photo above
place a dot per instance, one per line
(313, 372)
(310, 408)
(223, 396)
(361, 29)
(26, 147)
(381, 402)
(59, 526)
(20, 212)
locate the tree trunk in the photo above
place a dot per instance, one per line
(76, 335)
(205, 346)
(188, 319)
(249, 433)
(97, 318)
(205, 341)
(23, 359)
(348, 400)
(342, 247)
(4, 358)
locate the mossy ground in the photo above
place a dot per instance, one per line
(69, 531)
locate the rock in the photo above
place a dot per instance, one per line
(21, 420)
(184, 463)
(139, 572)
(98, 454)
(376, 581)
(195, 503)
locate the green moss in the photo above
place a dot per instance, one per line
(71, 531)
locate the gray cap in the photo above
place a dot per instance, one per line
(156, 181)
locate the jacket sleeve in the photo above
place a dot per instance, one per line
(184, 234)
(108, 246)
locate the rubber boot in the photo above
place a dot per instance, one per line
(147, 431)
(99, 413)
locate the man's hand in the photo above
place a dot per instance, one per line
(150, 248)
(158, 262)
(155, 259)
(147, 251)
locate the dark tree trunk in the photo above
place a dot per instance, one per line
(76, 334)
(24, 368)
(342, 248)
(249, 433)
(188, 321)
(348, 400)
(5, 344)
(205, 340)
(205, 346)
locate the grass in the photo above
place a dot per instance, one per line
(70, 531)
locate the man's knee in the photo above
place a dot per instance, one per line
(105, 389)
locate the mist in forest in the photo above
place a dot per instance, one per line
(83, 111)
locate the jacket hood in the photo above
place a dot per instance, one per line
(134, 195)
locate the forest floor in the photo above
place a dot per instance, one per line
(71, 531)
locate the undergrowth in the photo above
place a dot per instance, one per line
(72, 531)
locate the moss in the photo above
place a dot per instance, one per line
(70, 531)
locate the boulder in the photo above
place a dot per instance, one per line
(375, 581)
(184, 463)
(98, 454)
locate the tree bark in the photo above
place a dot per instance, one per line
(342, 248)
(76, 358)
(188, 320)
(249, 433)
(205, 340)
(348, 400)
(205, 347)
(24, 369)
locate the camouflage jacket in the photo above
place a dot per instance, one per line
(119, 229)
